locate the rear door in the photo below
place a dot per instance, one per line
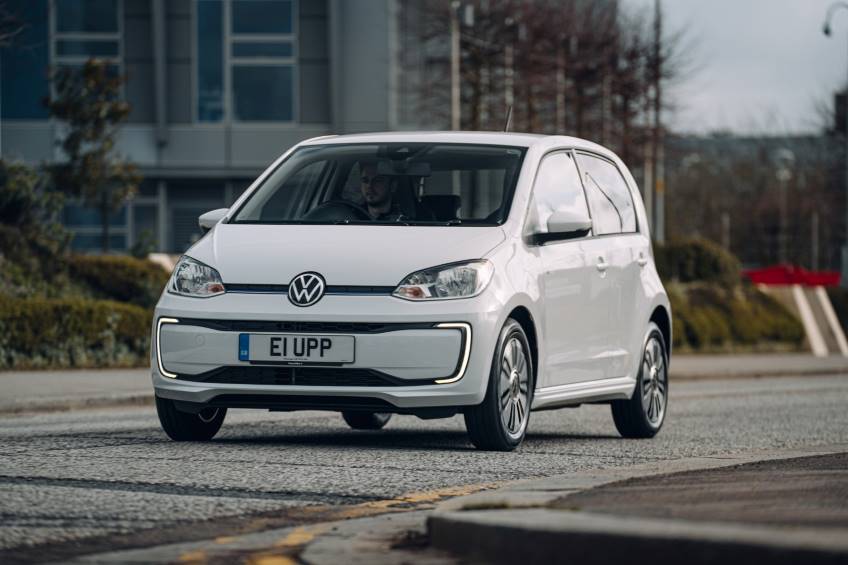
(574, 310)
(615, 226)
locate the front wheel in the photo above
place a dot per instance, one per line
(184, 426)
(643, 415)
(500, 422)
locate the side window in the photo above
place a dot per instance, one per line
(557, 186)
(608, 195)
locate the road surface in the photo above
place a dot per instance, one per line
(91, 480)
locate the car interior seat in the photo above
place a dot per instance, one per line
(445, 207)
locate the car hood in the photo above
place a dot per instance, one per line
(344, 255)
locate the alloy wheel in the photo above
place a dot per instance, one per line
(654, 382)
(513, 390)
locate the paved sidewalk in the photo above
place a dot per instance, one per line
(755, 365)
(783, 510)
(23, 391)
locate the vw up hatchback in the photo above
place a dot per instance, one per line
(488, 274)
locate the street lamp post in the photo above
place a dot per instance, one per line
(827, 31)
(455, 54)
(785, 159)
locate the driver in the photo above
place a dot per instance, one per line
(378, 194)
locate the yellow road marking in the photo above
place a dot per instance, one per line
(271, 560)
(193, 557)
(302, 535)
(401, 503)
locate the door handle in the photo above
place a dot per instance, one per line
(602, 265)
(642, 260)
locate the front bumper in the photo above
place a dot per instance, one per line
(425, 355)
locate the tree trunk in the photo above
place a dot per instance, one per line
(104, 221)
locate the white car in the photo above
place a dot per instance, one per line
(488, 274)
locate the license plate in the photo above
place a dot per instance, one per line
(296, 348)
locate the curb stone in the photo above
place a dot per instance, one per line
(27, 407)
(512, 523)
(545, 536)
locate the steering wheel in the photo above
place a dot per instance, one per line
(337, 210)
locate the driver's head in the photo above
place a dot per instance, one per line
(375, 189)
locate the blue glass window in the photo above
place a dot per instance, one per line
(210, 61)
(260, 51)
(99, 16)
(262, 16)
(83, 216)
(263, 92)
(93, 242)
(23, 65)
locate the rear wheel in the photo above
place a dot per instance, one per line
(500, 422)
(366, 420)
(184, 426)
(642, 416)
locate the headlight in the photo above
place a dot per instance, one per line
(193, 278)
(461, 280)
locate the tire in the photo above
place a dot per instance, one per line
(366, 420)
(643, 415)
(500, 422)
(184, 426)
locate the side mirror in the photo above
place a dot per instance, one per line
(565, 224)
(208, 220)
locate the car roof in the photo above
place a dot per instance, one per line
(473, 137)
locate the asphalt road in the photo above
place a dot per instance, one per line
(108, 478)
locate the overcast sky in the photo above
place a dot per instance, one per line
(762, 66)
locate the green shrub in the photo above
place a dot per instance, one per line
(778, 323)
(121, 278)
(31, 235)
(709, 317)
(75, 332)
(677, 298)
(706, 327)
(30, 209)
(693, 260)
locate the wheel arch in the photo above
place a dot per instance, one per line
(525, 319)
(661, 317)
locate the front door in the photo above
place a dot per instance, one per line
(574, 284)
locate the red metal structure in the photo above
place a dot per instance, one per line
(790, 274)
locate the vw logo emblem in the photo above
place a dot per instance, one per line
(306, 289)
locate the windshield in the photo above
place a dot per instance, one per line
(391, 183)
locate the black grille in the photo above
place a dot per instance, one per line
(234, 287)
(301, 327)
(298, 402)
(330, 289)
(302, 376)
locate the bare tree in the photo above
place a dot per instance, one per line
(88, 101)
(574, 67)
(11, 25)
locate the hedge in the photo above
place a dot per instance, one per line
(710, 317)
(72, 332)
(696, 259)
(121, 278)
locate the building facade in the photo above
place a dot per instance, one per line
(218, 89)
